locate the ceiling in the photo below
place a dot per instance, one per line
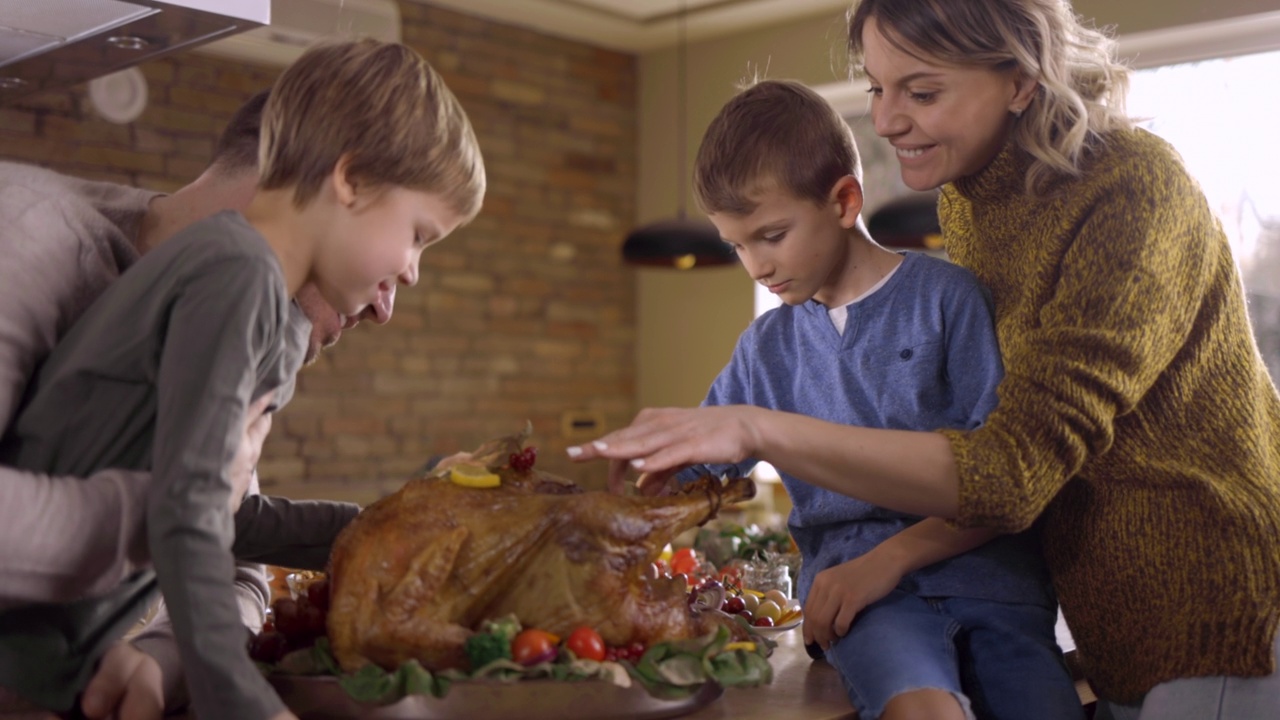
(640, 25)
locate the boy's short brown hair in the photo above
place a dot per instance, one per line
(385, 108)
(773, 131)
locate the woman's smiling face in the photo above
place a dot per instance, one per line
(944, 121)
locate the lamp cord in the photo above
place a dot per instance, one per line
(681, 109)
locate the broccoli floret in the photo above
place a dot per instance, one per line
(493, 642)
(484, 648)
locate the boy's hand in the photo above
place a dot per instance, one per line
(128, 685)
(839, 593)
(257, 424)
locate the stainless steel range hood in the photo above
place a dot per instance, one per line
(47, 44)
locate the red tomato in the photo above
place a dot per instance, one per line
(531, 647)
(586, 643)
(684, 561)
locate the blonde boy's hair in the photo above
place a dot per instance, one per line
(1081, 86)
(386, 109)
(774, 131)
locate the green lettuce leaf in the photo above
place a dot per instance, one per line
(671, 670)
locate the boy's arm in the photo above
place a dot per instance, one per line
(253, 595)
(840, 593)
(157, 638)
(223, 326)
(291, 533)
(929, 541)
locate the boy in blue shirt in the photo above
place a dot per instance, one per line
(921, 619)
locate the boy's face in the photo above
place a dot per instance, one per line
(796, 248)
(374, 242)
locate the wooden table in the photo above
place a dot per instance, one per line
(801, 690)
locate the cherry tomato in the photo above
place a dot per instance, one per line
(532, 646)
(685, 561)
(586, 643)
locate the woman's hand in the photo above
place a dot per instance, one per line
(663, 441)
(839, 593)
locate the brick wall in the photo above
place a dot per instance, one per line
(525, 314)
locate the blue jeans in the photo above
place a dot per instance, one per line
(999, 660)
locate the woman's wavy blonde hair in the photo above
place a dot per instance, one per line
(1081, 86)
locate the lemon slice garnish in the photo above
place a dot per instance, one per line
(742, 645)
(472, 475)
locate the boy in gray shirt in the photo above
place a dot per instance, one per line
(357, 178)
(68, 537)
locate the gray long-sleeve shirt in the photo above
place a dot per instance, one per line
(157, 376)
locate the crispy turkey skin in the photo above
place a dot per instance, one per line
(417, 571)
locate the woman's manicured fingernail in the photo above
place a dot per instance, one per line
(637, 463)
(574, 451)
(600, 445)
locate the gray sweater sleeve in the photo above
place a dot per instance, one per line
(292, 533)
(223, 328)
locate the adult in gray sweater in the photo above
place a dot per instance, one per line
(65, 538)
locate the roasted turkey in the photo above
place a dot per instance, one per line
(416, 572)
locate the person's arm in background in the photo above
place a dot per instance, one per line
(60, 537)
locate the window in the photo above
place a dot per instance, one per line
(1223, 124)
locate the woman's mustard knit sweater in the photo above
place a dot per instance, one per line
(1136, 413)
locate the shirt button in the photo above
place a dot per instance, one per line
(905, 354)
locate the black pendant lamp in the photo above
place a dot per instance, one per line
(678, 242)
(909, 222)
